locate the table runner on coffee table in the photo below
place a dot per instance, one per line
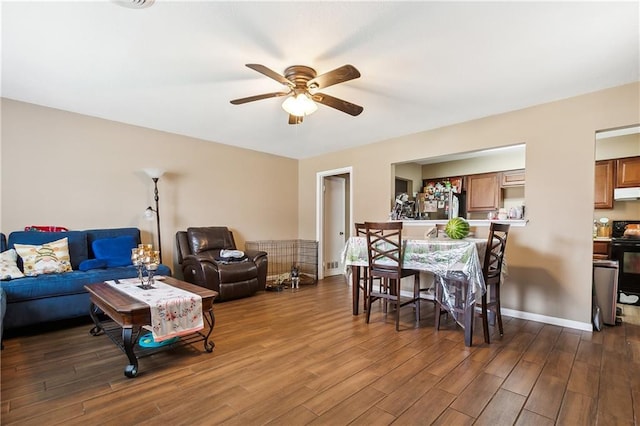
(174, 312)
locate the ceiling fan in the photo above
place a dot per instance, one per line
(302, 83)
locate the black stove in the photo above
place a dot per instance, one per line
(626, 250)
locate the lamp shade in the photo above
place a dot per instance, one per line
(299, 105)
(154, 173)
(149, 213)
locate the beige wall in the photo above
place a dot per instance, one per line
(409, 171)
(66, 169)
(618, 147)
(484, 164)
(549, 259)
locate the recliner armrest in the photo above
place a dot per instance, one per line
(201, 270)
(259, 257)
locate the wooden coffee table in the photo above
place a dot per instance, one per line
(129, 315)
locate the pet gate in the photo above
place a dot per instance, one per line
(284, 255)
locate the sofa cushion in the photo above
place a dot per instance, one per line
(92, 264)
(8, 266)
(116, 251)
(77, 240)
(48, 258)
(3, 242)
(67, 283)
(98, 234)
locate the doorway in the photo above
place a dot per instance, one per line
(333, 219)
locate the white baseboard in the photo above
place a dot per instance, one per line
(583, 326)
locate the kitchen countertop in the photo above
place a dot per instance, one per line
(605, 239)
(512, 222)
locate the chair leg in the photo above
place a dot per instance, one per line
(395, 290)
(469, 314)
(438, 299)
(498, 309)
(370, 286)
(385, 289)
(416, 296)
(485, 318)
(365, 287)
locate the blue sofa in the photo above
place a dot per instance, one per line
(57, 296)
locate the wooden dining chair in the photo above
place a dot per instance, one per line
(386, 251)
(452, 291)
(492, 273)
(363, 271)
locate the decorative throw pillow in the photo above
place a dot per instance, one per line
(49, 258)
(8, 267)
(116, 251)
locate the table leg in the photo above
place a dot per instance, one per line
(93, 313)
(469, 312)
(355, 287)
(130, 370)
(211, 321)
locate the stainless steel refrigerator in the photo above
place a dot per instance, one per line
(442, 199)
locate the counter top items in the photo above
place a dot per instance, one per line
(403, 207)
(603, 227)
(472, 222)
(632, 230)
(622, 229)
(457, 228)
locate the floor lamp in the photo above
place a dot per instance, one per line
(155, 174)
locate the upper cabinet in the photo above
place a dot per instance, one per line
(513, 178)
(628, 172)
(483, 192)
(604, 184)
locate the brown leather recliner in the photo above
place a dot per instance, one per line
(199, 255)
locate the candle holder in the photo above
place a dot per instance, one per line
(151, 270)
(145, 258)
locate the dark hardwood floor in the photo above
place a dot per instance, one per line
(300, 357)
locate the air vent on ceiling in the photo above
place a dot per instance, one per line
(134, 4)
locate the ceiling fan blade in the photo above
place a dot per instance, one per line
(294, 119)
(258, 97)
(339, 104)
(339, 75)
(271, 74)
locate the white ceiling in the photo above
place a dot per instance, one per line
(175, 66)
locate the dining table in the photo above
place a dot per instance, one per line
(443, 257)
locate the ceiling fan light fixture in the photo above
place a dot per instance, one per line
(134, 4)
(299, 105)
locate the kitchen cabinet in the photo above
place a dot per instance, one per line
(483, 192)
(628, 172)
(513, 178)
(601, 249)
(603, 195)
